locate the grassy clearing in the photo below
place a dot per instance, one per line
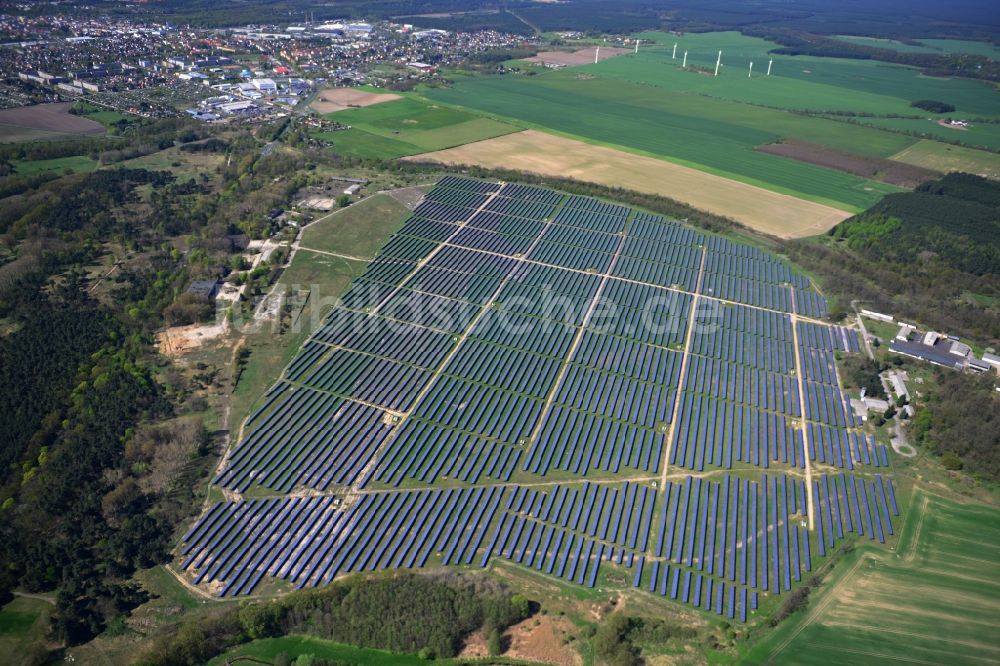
(75, 164)
(359, 143)
(184, 165)
(933, 601)
(107, 118)
(716, 136)
(408, 126)
(358, 230)
(945, 157)
(23, 623)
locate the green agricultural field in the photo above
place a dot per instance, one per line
(932, 602)
(927, 45)
(356, 231)
(647, 103)
(409, 126)
(978, 135)
(964, 46)
(712, 135)
(945, 157)
(796, 82)
(891, 44)
(75, 163)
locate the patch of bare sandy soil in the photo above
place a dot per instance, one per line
(52, 117)
(338, 99)
(579, 57)
(539, 638)
(179, 340)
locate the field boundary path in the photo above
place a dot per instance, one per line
(802, 407)
(688, 336)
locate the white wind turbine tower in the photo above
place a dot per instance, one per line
(769, 63)
(597, 54)
(674, 56)
(718, 61)
(637, 46)
(750, 73)
(685, 63)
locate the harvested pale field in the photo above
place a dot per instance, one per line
(50, 118)
(338, 99)
(580, 57)
(537, 152)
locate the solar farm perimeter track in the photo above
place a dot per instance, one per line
(566, 384)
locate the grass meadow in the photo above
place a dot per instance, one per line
(358, 230)
(75, 164)
(408, 126)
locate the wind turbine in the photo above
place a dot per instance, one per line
(718, 61)
(750, 73)
(769, 63)
(685, 63)
(597, 54)
(674, 56)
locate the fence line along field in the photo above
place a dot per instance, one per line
(547, 154)
(470, 401)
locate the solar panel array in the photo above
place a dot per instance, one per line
(507, 381)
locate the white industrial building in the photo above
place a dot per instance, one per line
(265, 85)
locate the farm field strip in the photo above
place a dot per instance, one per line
(534, 151)
(714, 136)
(863, 618)
(534, 436)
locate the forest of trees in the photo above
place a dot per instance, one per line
(431, 616)
(959, 420)
(100, 455)
(931, 255)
